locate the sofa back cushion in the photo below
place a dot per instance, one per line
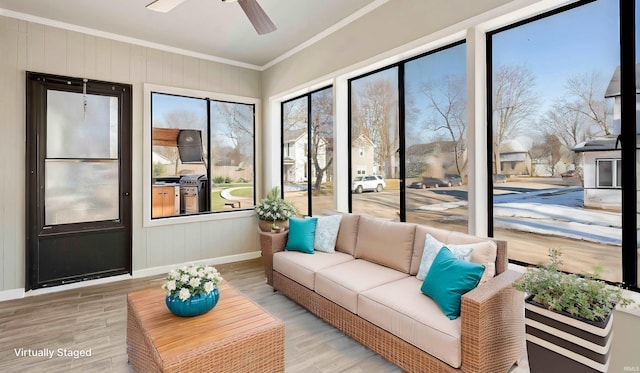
(418, 246)
(385, 242)
(484, 252)
(484, 249)
(346, 240)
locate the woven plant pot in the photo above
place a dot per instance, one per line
(265, 225)
(558, 342)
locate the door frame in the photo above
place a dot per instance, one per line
(36, 126)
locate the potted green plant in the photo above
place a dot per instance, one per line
(568, 318)
(274, 211)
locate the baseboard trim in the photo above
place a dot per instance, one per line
(77, 285)
(146, 272)
(12, 294)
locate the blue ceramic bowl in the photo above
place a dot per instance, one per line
(194, 306)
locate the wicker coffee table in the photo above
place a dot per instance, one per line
(236, 336)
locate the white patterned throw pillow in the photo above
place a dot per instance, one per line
(431, 249)
(327, 233)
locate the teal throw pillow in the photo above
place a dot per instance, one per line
(448, 279)
(302, 234)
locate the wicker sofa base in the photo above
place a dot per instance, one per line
(401, 353)
(406, 356)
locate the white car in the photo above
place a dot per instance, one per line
(364, 183)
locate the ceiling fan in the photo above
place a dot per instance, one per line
(259, 19)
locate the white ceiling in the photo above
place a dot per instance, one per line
(204, 28)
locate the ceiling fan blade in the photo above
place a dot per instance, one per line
(164, 5)
(259, 19)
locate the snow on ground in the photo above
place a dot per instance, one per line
(556, 211)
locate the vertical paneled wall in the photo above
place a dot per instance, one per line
(27, 46)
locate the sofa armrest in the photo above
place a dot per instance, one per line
(492, 317)
(271, 243)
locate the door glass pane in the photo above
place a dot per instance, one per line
(436, 139)
(554, 115)
(81, 129)
(79, 192)
(295, 151)
(321, 156)
(374, 145)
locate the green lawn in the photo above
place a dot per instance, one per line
(217, 202)
(246, 192)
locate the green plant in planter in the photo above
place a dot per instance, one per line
(581, 297)
(274, 208)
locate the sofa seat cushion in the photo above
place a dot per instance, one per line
(401, 309)
(302, 267)
(343, 282)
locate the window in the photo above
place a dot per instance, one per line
(375, 133)
(202, 154)
(609, 173)
(436, 139)
(408, 122)
(553, 110)
(307, 151)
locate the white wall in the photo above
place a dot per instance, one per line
(27, 46)
(381, 31)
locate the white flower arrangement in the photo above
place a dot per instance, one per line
(193, 280)
(275, 208)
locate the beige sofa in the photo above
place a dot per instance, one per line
(368, 289)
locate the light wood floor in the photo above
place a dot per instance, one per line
(94, 318)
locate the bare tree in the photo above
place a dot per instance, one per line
(567, 126)
(515, 101)
(237, 128)
(375, 115)
(550, 148)
(238, 121)
(581, 114)
(295, 127)
(321, 134)
(588, 91)
(294, 114)
(447, 104)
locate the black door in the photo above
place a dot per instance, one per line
(78, 168)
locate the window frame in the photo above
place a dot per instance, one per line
(452, 42)
(627, 30)
(616, 165)
(148, 221)
(308, 142)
